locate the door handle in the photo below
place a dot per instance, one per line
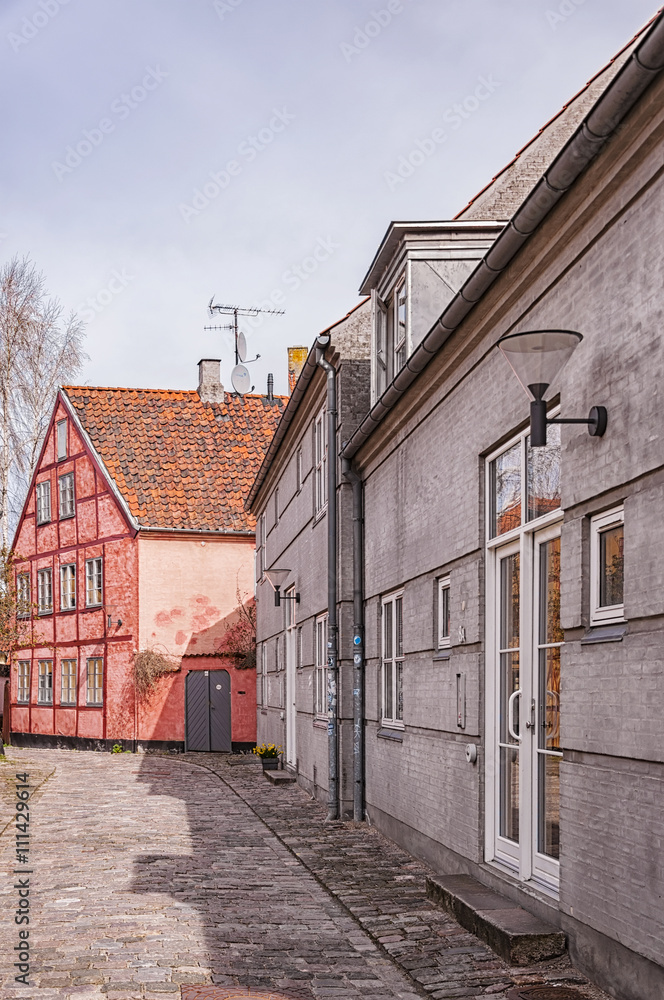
(510, 715)
(531, 723)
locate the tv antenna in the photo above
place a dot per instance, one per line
(240, 376)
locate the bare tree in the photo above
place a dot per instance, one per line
(39, 350)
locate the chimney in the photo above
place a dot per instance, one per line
(270, 388)
(210, 388)
(296, 359)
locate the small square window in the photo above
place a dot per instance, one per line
(45, 591)
(68, 587)
(23, 693)
(43, 497)
(95, 681)
(23, 595)
(67, 499)
(45, 689)
(607, 571)
(93, 582)
(67, 682)
(61, 435)
(444, 613)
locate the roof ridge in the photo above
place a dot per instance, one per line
(557, 115)
(191, 392)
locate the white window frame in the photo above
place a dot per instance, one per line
(45, 682)
(380, 347)
(320, 462)
(94, 582)
(23, 682)
(68, 672)
(444, 639)
(395, 661)
(66, 496)
(260, 547)
(45, 591)
(298, 469)
(94, 692)
(68, 587)
(400, 344)
(320, 667)
(23, 594)
(43, 501)
(263, 681)
(61, 439)
(602, 615)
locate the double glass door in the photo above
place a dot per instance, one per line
(526, 717)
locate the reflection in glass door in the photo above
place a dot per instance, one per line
(508, 795)
(547, 754)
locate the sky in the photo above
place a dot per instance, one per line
(161, 153)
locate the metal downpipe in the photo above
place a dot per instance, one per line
(358, 641)
(332, 624)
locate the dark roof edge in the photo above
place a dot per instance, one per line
(290, 410)
(601, 122)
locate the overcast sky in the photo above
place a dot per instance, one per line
(160, 152)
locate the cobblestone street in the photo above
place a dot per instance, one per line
(153, 874)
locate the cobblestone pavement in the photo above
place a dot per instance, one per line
(153, 873)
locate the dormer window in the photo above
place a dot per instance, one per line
(390, 326)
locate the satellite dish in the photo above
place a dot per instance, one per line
(241, 380)
(241, 346)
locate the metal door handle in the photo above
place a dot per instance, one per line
(510, 715)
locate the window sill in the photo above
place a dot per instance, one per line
(605, 632)
(67, 704)
(95, 705)
(320, 514)
(42, 524)
(442, 654)
(320, 723)
(43, 614)
(263, 711)
(67, 611)
(67, 517)
(390, 734)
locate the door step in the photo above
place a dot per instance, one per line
(515, 934)
(280, 777)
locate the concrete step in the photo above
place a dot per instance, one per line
(516, 935)
(280, 777)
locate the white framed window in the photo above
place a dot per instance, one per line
(524, 483)
(298, 469)
(276, 506)
(61, 438)
(400, 305)
(67, 505)
(263, 681)
(444, 613)
(67, 682)
(43, 498)
(93, 582)
(320, 461)
(380, 348)
(607, 571)
(45, 688)
(94, 688)
(320, 667)
(299, 657)
(392, 660)
(260, 547)
(45, 591)
(23, 692)
(68, 587)
(23, 595)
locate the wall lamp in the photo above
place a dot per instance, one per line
(537, 357)
(276, 579)
(111, 623)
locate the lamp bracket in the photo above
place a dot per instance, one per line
(279, 597)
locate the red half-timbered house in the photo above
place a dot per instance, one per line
(134, 539)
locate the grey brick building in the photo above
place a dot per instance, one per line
(512, 607)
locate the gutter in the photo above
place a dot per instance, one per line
(322, 343)
(599, 125)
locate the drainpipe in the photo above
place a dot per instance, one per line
(358, 642)
(332, 628)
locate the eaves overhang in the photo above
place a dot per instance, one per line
(600, 124)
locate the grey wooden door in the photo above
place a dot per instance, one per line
(208, 711)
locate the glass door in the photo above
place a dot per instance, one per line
(509, 693)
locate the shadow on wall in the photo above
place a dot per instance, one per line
(162, 715)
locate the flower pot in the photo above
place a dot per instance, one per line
(270, 763)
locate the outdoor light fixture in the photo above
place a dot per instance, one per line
(537, 357)
(276, 579)
(111, 623)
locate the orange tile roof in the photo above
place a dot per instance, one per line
(178, 462)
